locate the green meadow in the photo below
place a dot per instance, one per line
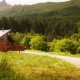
(20, 66)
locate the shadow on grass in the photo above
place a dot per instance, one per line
(7, 73)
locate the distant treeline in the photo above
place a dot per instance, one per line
(56, 27)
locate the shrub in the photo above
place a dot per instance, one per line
(64, 45)
(17, 37)
(78, 49)
(38, 43)
(67, 45)
(75, 37)
(26, 41)
(52, 46)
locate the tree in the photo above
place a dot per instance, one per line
(26, 41)
(38, 43)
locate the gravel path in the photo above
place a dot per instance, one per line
(72, 60)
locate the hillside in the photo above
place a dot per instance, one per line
(42, 9)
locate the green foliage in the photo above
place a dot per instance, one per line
(65, 45)
(75, 37)
(7, 72)
(78, 49)
(53, 20)
(68, 45)
(52, 27)
(26, 41)
(52, 46)
(78, 25)
(38, 43)
(17, 37)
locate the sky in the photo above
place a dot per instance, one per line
(30, 2)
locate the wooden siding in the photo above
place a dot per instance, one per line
(3, 47)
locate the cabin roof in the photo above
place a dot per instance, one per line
(3, 32)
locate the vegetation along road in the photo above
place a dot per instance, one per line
(72, 60)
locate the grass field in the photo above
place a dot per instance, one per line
(18, 66)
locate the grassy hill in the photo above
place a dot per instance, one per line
(41, 9)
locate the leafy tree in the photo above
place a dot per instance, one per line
(38, 43)
(26, 40)
(17, 37)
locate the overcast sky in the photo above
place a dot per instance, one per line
(31, 1)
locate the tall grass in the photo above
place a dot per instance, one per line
(18, 66)
(7, 73)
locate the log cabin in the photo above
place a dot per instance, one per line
(7, 43)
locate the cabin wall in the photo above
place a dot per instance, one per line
(4, 40)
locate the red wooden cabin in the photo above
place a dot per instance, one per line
(7, 43)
